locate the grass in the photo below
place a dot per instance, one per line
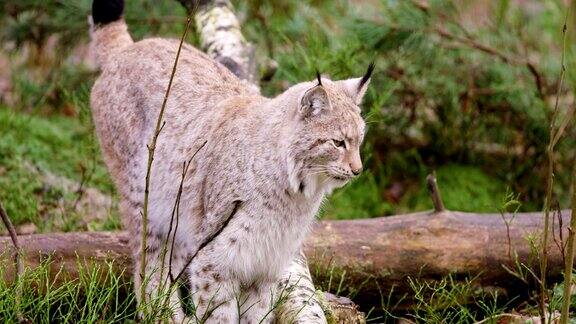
(97, 295)
(101, 295)
(32, 147)
(54, 143)
(449, 301)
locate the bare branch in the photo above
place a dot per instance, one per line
(17, 261)
(467, 40)
(554, 136)
(432, 185)
(151, 149)
(569, 260)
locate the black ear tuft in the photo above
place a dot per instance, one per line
(366, 76)
(107, 11)
(318, 77)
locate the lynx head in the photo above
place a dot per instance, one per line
(324, 152)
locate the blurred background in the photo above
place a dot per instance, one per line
(463, 88)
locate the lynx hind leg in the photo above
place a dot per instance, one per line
(161, 296)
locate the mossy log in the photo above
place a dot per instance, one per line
(389, 250)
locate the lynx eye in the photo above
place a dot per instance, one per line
(338, 143)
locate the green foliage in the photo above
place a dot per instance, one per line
(33, 22)
(433, 99)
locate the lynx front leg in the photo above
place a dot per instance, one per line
(219, 300)
(301, 304)
(257, 304)
(213, 297)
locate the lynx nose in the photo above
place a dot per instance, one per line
(356, 164)
(356, 171)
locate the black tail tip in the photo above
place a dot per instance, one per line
(107, 11)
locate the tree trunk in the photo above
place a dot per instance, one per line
(389, 250)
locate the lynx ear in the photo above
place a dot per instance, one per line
(314, 101)
(356, 88)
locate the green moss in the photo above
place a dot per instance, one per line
(463, 188)
(359, 199)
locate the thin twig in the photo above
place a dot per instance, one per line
(560, 243)
(569, 261)
(175, 219)
(432, 185)
(499, 54)
(17, 261)
(175, 216)
(86, 177)
(567, 254)
(508, 238)
(151, 149)
(554, 137)
(565, 122)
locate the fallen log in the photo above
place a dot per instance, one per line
(425, 246)
(429, 246)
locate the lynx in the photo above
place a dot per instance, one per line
(261, 169)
